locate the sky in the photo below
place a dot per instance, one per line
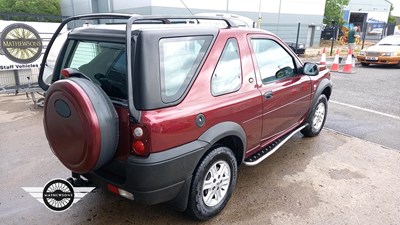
(396, 5)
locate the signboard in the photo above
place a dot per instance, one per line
(22, 44)
(376, 22)
(377, 17)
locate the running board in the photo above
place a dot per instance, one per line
(259, 156)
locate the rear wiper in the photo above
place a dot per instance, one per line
(385, 44)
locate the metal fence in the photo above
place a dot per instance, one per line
(31, 17)
(307, 34)
(16, 81)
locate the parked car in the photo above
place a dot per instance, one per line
(328, 33)
(165, 113)
(301, 48)
(376, 31)
(386, 51)
(240, 21)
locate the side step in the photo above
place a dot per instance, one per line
(259, 156)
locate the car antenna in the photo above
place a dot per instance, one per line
(186, 7)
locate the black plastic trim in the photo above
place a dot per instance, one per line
(162, 177)
(325, 83)
(222, 130)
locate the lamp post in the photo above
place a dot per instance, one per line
(259, 16)
(333, 36)
(279, 16)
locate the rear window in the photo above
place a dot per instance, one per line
(180, 58)
(103, 62)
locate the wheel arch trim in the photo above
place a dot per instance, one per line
(222, 130)
(323, 85)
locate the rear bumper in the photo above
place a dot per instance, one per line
(161, 177)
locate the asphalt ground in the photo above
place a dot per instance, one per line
(330, 179)
(366, 103)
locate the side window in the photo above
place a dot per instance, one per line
(179, 60)
(227, 76)
(273, 61)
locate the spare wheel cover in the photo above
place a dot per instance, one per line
(81, 124)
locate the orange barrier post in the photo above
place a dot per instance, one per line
(348, 67)
(323, 58)
(335, 65)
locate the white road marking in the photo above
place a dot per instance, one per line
(367, 110)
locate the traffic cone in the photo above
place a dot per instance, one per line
(323, 58)
(348, 67)
(335, 65)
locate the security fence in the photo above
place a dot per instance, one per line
(22, 80)
(31, 17)
(307, 34)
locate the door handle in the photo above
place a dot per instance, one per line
(268, 95)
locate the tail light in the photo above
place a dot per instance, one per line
(140, 144)
(65, 73)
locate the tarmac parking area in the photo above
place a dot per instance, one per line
(330, 179)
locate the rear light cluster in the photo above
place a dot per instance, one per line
(140, 144)
(65, 73)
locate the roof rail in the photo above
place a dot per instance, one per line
(167, 19)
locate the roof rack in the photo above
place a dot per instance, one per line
(164, 19)
(131, 19)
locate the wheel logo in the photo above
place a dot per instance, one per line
(58, 195)
(21, 43)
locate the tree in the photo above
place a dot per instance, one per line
(39, 7)
(391, 18)
(334, 11)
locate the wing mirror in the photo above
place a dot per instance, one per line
(310, 69)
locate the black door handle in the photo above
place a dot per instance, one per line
(268, 95)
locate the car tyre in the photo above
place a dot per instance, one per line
(212, 185)
(364, 64)
(317, 119)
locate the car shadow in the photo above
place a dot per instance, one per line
(382, 66)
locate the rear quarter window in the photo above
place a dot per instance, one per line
(180, 58)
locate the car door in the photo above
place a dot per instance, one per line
(285, 91)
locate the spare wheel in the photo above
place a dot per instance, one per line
(81, 124)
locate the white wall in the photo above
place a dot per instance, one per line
(369, 5)
(305, 7)
(120, 5)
